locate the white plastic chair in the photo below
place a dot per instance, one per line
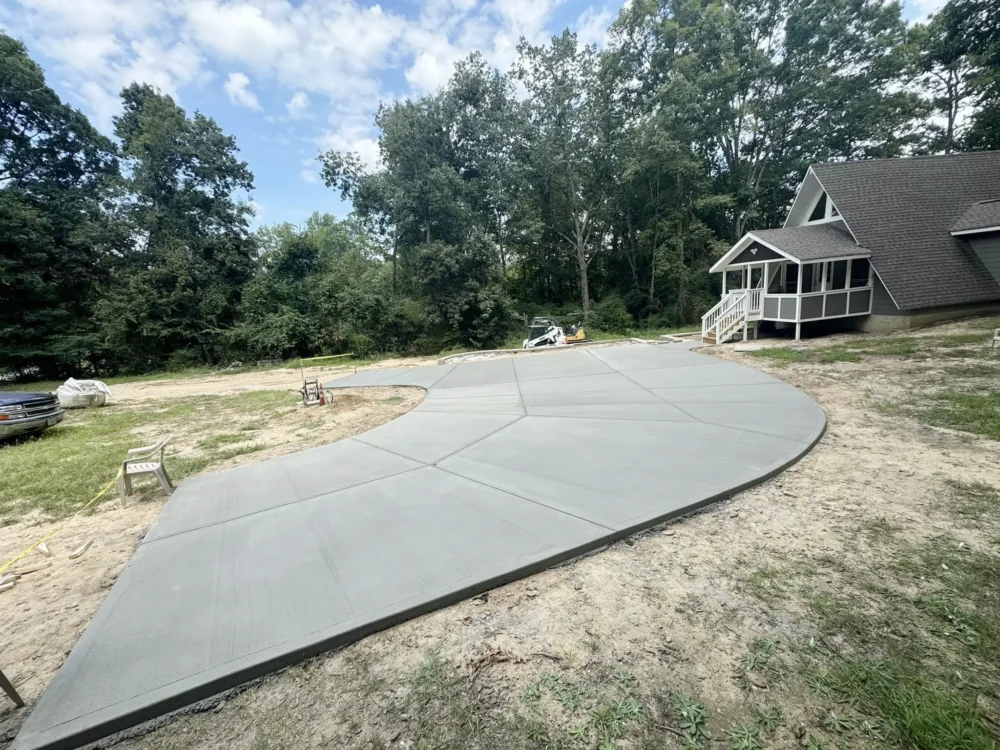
(136, 464)
(996, 339)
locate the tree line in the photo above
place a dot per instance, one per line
(598, 184)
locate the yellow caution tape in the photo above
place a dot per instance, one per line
(62, 526)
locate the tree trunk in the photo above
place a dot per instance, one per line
(395, 250)
(581, 261)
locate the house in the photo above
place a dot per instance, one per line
(878, 245)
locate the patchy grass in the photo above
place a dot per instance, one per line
(952, 346)
(978, 413)
(903, 657)
(780, 356)
(61, 469)
(973, 499)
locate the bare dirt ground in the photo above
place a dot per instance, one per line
(832, 606)
(243, 382)
(48, 609)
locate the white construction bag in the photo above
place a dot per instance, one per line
(80, 394)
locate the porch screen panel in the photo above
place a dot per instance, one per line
(787, 308)
(770, 307)
(812, 307)
(860, 301)
(836, 304)
(791, 278)
(837, 275)
(812, 277)
(860, 270)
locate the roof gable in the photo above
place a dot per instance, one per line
(903, 210)
(979, 217)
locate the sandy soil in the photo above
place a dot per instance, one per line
(268, 380)
(48, 609)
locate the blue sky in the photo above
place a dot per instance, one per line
(287, 79)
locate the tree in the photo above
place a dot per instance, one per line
(55, 170)
(764, 87)
(970, 29)
(943, 67)
(565, 155)
(174, 290)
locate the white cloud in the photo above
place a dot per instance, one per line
(592, 26)
(309, 175)
(334, 55)
(918, 10)
(238, 88)
(297, 104)
(352, 135)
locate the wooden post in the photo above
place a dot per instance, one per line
(725, 273)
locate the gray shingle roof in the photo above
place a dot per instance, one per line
(812, 242)
(903, 209)
(983, 215)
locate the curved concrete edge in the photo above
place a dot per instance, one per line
(178, 696)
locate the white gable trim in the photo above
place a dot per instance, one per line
(829, 202)
(743, 244)
(962, 232)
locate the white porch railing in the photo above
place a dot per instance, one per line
(732, 313)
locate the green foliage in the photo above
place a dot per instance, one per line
(611, 315)
(55, 169)
(693, 719)
(190, 249)
(618, 175)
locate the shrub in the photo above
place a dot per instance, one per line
(610, 315)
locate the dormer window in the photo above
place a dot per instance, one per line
(819, 212)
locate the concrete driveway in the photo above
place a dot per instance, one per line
(508, 466)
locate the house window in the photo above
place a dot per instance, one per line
(860, 271)
(836, 275)
(819, 212)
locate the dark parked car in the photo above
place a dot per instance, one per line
(25, 413)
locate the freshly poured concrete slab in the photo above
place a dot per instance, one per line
(474, 391)
(634, 395)
(721, 374)
(771, 391)
(559, 365)
(789, 420)
(636, 359)
(488, 372)
(430, 436)
(656, 412)
(484, 405)
(425, 377)
(580, 384)
(257, 487)
(251, 569)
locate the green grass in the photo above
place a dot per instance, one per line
(224, 438)
(978, 413)
(780, 356)
(954, 346)
(910, 668)
(58, 471)
(974, 499)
